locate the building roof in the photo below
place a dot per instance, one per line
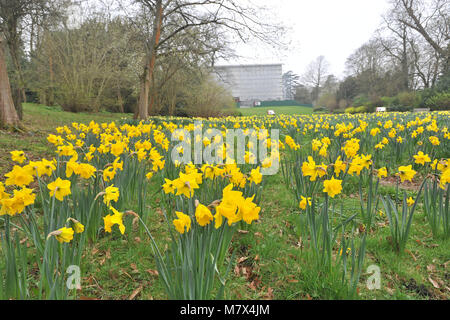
(248, 65)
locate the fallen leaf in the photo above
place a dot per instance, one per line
(434, 283)
(382, 224)
(108, 254)
(137, 239)
(127, 274)
(389, 290)
(259, 234)
(135, 293)
(252, 285)
(242, 259)
(134, 267)
(431, 268)
(237, 270)
(269, 295)
(243, 231)
(153, 272)
(412, 255)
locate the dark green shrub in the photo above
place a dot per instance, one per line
(408, 99)
(360, 100)
(440, 101)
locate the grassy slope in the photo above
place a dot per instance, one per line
(115, 267)
(40, 121)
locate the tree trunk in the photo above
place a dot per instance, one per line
(8, 114)
(51, 94)
(143, 105)
(119, 97)
(405, 62)
(19, 94)
(142, 110)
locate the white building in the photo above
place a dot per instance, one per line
(250, 84)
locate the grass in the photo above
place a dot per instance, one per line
(261, 111)
(268, 263)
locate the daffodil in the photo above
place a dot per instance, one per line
(111, 220)
(406, 173)
(339, 166)
(203, 215)
(256, 176)
(185, 185)
(111, 194)
(382, 172)
(63, 234)
(421, 158)
(305, 202)
(183, 223)
(332, 187)
(59, 188)
(18, 156)
(248, 210)
(19, 176)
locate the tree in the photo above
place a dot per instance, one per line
(15, 16)
(371, 69)
(302, 94)
(8, 114)
(290, 81)
(315, 75)
(89, 63)
(328, 100)
(348, 89)
(397, 47)
(172, 17)
(430, 19)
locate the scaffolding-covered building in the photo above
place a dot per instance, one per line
(251, 84)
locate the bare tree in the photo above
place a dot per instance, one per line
(170, 18)
(397, 46)
(427, 63)
(86, 61)
(430, 19)
(315, 75)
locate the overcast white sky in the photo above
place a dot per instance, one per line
(332, 28)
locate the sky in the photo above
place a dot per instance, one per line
(332, 28)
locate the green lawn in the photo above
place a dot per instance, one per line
(261, 111)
